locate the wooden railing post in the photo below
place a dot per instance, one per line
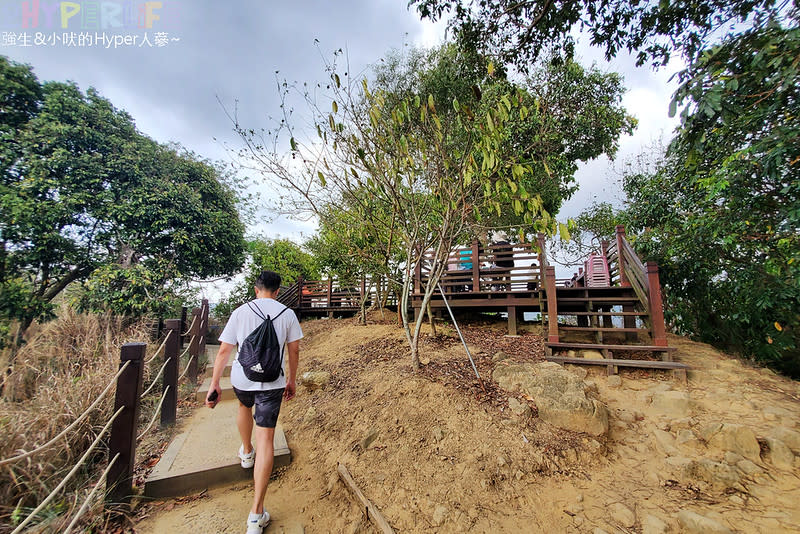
(169, 410)
(330, 291)
(476, 267)
(623, 277)
(122, 440)
(540, 241)
(552, 306)
(184, 324)
(656, 305)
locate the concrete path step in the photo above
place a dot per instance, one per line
(205, 455)
(224, 384)
(210, 367)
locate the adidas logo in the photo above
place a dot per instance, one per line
(257, 368)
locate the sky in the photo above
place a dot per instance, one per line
(201, 55)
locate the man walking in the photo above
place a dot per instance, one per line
(265, 396)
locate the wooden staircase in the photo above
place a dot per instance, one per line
(623, 317)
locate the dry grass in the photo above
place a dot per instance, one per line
(55, 378)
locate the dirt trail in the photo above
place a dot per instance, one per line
(434, 454)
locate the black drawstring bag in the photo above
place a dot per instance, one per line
(261, 354)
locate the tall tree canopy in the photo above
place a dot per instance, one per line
(518, 31)
(721, 213)
(82, 190)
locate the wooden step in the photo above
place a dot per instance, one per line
(596, 300)
(601, 329)
(597, 314)
(600, 346)
(646, 364)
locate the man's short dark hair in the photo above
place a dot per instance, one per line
(268, 280)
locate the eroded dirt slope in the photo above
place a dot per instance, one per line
(436, 453)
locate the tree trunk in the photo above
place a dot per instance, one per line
(431, 320)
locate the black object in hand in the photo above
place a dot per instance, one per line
(213, 396)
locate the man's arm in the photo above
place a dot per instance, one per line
(225, 350)
(294, 359)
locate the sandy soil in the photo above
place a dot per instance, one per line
(435, 453)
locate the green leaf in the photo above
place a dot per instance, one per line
(321, 178)
(335, 106)
(563, 232)
(293, 144)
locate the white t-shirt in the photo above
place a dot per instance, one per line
(243, 321)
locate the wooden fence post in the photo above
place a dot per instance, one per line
(122, 440)
(552, 306)
(169, 410)
(541, 242)
(623, 278)
(184, 325)
(656, 305)
(476, 267)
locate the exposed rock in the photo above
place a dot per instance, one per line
(686, 439)
(310, 414)
(590, 386)
(748, 468)
(614, 381)
(369, 437)
(499, 356)
(592, 354)
(577, 370)
(780, 455)
(735, 438)
(439, 515)
(696, 523)
(720, 476)
(624, 415)
(665, 443)
(558, 394)
(438, 433)
(520, 409)
(314, 380)
(654, 525)
(675, 403)
(790, 438)
(622, 514)
(733, 458)
(680, 424)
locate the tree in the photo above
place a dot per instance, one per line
(518, 31)
(722, 214)
(279, 255)
(406, 165)
(83, 189)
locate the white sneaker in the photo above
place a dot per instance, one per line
(248, 460)
(256, 523)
